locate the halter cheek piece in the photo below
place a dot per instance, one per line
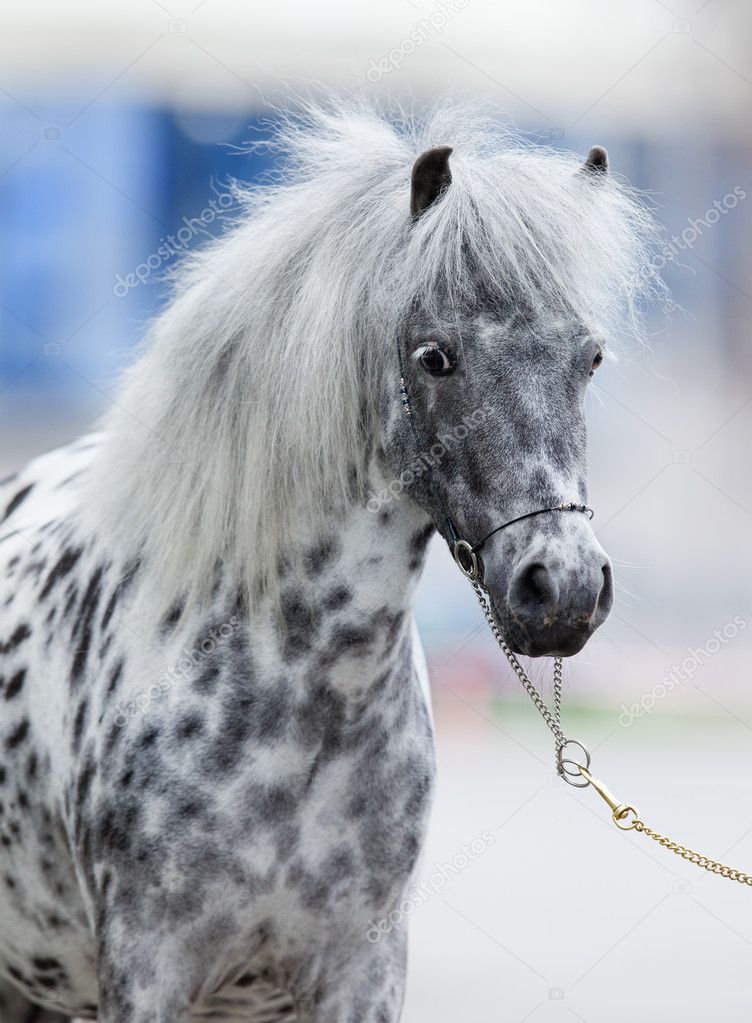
(465, 554)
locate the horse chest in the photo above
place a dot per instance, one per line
(336, 810)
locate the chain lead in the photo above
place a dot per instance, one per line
(568, 769)
(552, 720)
(624, 816)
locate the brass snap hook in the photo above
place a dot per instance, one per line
(624, 815)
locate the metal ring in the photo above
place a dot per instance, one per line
(622, 820)
(583, 748)
(569, 776)
(466, 559)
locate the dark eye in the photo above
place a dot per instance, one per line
(596, 362)
(434, 360)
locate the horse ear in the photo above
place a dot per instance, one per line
(596, 163)
(431, 176)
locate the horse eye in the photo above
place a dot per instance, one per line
(596, 362)
(434, 360)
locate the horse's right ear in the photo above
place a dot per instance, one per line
(596, 164)
(431, 177)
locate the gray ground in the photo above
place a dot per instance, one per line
(563, 917)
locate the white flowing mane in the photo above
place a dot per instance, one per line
(258, 385)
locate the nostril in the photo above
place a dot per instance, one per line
(534, 587)
(606, 596)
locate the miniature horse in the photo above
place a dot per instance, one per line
(216, 752)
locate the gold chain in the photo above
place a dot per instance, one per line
(694, 857)
(627, 818)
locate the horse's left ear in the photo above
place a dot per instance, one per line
(596, 163)
(431, 176)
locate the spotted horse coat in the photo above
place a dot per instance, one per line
(206, 816)
(208, 803)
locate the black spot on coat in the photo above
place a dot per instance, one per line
(68, 559)
(20, 633)
(15, 684)
(83, 627)
(16, 501)
(18, 735)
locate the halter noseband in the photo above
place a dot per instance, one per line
(464, 553)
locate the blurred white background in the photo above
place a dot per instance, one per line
(118, 121)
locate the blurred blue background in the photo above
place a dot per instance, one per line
(119, 129)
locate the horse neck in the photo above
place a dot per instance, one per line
(347, 588)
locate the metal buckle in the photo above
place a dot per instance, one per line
(466, 559)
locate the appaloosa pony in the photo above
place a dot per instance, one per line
(216, 754)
